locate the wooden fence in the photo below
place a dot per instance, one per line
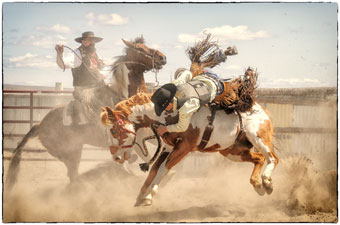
(305, 120)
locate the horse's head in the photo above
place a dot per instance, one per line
(147, 58)
(122, 134)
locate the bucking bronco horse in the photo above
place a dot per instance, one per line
(232, 137)
(66, 142)
(242, 133)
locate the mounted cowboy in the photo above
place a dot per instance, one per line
(85, 65)
(192, 89)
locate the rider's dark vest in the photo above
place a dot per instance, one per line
(193, 89)
(81, 75)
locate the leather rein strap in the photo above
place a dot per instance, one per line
(208, 129)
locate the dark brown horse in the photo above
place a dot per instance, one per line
(66, 142)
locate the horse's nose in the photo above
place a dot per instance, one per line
(119, 159)
(163, 59)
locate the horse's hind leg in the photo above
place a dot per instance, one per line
(262, 141)
(72, 162)
(246, 155)
(71, 158)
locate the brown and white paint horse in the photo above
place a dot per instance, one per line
(137, 113)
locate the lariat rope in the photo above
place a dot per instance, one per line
(80, 58)
(155, 71)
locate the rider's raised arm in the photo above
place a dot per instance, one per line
(71, 60)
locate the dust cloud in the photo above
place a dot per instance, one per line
(218, 193)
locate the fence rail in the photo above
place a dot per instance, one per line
(31, 107)
(281, 101)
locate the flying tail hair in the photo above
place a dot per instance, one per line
(14, 165)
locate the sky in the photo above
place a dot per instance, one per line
(289, 44)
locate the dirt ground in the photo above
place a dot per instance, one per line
(221, 193)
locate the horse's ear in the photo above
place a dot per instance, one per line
(128, 43)
(104, 117)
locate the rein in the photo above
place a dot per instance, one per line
(145, 166)
(155, 71)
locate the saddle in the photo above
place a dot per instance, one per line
(87, 103)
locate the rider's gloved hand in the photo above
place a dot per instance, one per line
(59, 48)
(231, 51)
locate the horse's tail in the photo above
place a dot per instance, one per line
(13, 168)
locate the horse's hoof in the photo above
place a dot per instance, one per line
(154, 192)
(143, 202)
(269, 188)
(260, 190)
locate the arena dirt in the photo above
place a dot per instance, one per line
(220, 193)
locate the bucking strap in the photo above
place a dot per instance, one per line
(241, 125)
(208, 130)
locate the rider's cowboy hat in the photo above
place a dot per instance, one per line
(88, 34)
(163, 97)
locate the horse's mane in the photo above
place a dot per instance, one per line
(246, 90)
(138, 99)
(124, 107)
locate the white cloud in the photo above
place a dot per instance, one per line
(22, 58)
(188, 38)
(90, 17)
(224, 33)
(233, 67)
(59, 28)
(32, 61)
(106, 19)
(61, 38)
(43, 41)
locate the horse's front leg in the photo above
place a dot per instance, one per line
(164, 163)
(149, 188)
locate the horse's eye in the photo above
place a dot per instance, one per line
(113, 131)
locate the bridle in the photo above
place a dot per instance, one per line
(122, 131)
(152, 56)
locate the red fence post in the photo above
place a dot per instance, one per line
(31, 109)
